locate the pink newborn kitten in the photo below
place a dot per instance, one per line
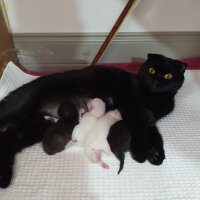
(96, 142)
(96, 109)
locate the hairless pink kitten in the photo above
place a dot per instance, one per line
(88, 120)
(96, 142)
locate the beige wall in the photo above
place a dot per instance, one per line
(65, 16)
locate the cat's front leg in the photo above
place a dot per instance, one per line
(148, 145)
(156, 153)
(139, 147)
(137, 120)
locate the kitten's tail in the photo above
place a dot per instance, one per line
(121, 157)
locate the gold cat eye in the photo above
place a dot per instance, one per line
(168, 76)
(152, 70)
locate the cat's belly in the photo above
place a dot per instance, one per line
(51, 107)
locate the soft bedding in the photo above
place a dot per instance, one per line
(69, 175)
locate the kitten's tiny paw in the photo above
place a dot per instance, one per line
(139, 157)
(156, 156)
(70, 143)
(104, 165)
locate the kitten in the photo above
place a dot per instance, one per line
(96, 109)
(59, 133)
(96, 141)
(119, 139)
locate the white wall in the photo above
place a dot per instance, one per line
(64, 16)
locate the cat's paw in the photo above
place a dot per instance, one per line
(138, 149)
(138, 153)
(138, 156)
(156, 156)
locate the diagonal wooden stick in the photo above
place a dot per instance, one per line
(114, 30)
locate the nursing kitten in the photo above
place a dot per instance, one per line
(86, 128)
(96, 141)
(92, 130)
(59, 133)
(96, 109)
(119, 139)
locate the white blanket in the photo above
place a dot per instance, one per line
(69, 175)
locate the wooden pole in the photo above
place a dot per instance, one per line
(114, 30)
(7, 49)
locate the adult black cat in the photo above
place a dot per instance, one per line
(151, 94)
(160, 78)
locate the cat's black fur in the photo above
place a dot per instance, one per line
(59, 133)
(15, 139)
(131, 94)
(157, 94)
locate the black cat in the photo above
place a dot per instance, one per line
(151, 94)
(160, 78)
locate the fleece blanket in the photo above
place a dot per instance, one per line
(69, 175)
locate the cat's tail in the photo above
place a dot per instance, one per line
(6, 168)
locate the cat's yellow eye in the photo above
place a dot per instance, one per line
(152, 70)
(168, 76)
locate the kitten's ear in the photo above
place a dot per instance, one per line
(182, 66)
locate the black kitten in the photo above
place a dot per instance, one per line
(59, 133)
(119, 139)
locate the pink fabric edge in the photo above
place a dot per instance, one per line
(193, 64)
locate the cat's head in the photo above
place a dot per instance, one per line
(162, 74)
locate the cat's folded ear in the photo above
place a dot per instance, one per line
(182, 66)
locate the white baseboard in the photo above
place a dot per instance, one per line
(54, 51)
